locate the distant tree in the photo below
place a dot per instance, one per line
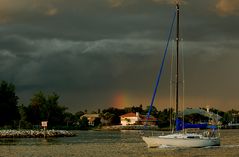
(137, 109)
(97, 122)
(79, 114)
(69, 119)
(216, 111)
(134, 109)
(46, 108)
(84, 123)
(23, 123)
(54, 112)
(114, 115)
(8, 104)
(233, 116)
(128, 109)
(165, 117)
(113, 110)
(35, 110)
(107, 118)
(154, 111)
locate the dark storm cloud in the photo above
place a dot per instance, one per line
(212, 67)
(96, 48)
(76, 66)
(45, 61)
(94, 20)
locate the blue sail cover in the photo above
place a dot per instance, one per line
(180, 125)
(212, 127)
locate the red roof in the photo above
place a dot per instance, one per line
(131, 114)
(151, 118)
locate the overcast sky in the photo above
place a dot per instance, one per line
(107, 53)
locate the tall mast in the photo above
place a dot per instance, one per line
(177, 62)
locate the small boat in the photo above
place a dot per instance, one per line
(181, 137)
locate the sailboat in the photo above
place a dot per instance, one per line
(180, 137)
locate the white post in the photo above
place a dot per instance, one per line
(44, 125)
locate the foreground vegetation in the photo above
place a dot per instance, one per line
(45, 107)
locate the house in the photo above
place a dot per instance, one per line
(137, 119)
(130, 118)
(91, 118)
(149, 121)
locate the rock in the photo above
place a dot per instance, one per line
(34, 133)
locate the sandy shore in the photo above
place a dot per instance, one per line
(108, 150)
(64, 150)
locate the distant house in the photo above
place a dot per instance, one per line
(137, 119)
(91, 118)
(149, 121)
(129, 118)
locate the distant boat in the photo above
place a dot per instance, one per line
(182, 137)
(232, 125)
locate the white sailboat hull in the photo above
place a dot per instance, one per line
(181, 140)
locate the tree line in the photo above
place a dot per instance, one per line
(45, 107)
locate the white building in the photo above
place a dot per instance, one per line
(130, 118)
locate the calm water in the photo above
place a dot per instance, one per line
(111, 144)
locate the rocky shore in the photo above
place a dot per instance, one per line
(34, 133)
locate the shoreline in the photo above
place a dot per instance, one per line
(131, 127)
(141, 127)
(64, 133)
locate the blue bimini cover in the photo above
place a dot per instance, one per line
(180, 125)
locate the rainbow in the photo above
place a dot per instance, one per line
(120, 100)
